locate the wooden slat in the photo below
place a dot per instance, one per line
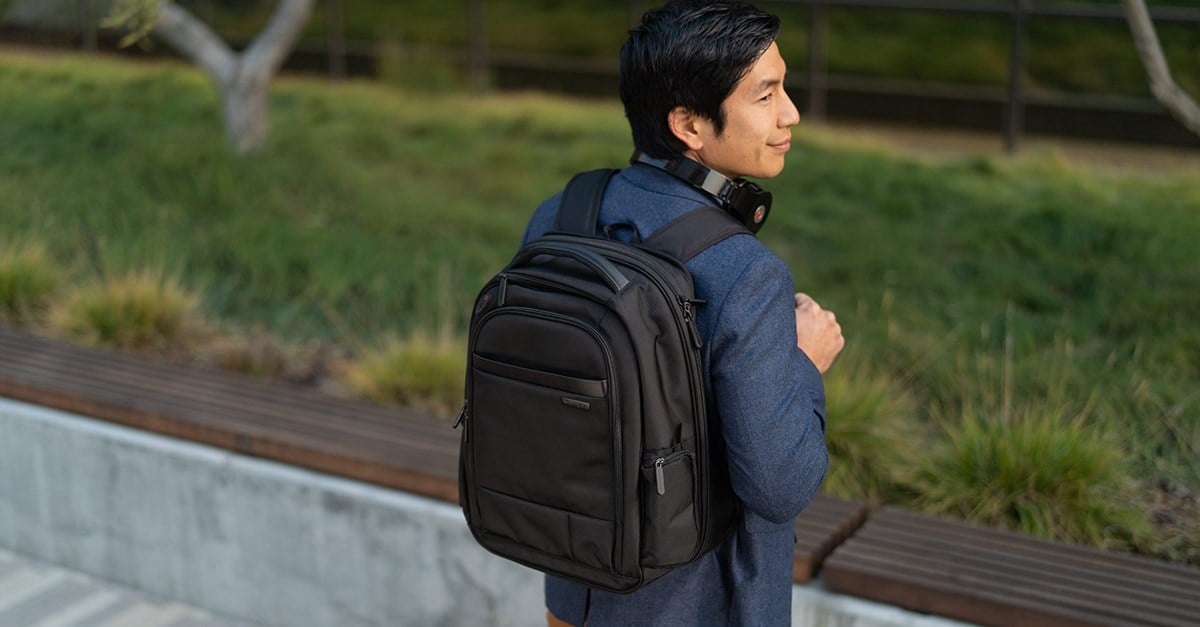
(179, 382)
(824, 524)
(1101, 576)
(996, 577)
(949, 573)
(1087, 557)
(378, 444)
(232, 411)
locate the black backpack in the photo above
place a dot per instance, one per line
(587, 451)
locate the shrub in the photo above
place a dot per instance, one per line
(871, 432)
(1045, 471)
(139, 311)
(420, 371)
(259, 354)
(28, 281)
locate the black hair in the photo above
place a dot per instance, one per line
(688, 53)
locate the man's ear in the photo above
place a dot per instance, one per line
(687, 126)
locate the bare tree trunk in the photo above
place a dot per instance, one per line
(1177, 101)
(243, 79)
(245, 104)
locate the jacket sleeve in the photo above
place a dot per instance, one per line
(768, 393)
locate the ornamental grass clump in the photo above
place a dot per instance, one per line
(260, 354)
(872, 432)
(1044, 470)
(28, 282)
(140, 311)
(420, 371)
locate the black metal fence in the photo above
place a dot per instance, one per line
(1013, 109)
(1016, 96)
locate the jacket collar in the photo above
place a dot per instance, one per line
(657, 180)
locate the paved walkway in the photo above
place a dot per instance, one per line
(35, 594)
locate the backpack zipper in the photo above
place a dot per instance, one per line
(462, 418)
(689, 315)
(528, 280)
(659, 462)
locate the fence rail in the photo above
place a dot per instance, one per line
(1016, 94)
(339, 57)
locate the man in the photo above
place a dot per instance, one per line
(704, 81)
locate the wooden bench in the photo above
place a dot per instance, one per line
(288, 423)
(823, 525)
(994, 577)
(378, 444)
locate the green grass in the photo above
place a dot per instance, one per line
(968, 289)
(1073, 273)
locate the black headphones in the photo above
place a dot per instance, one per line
(745, 200)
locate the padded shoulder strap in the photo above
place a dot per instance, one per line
(693, 232)
(580, 208)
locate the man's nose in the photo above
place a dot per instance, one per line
(790, 115)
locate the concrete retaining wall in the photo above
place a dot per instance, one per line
(268, 542)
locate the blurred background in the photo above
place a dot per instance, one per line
(1017, 66)
(1002, 214)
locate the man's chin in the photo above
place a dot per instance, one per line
(770, 172)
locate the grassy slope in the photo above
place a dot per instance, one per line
(368, 208)
(988, 286)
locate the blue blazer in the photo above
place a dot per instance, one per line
(771, 404)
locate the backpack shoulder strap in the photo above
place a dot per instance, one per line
(693, 232)
(580, 206)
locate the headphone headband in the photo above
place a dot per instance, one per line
(706, 179)
(746, 201)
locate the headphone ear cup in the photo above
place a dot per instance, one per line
(750, 204)
(759, 217)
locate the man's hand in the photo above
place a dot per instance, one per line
(818, 333)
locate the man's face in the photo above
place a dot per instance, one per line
(758, 120)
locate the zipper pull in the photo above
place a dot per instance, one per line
(658, 475)
(689, 316)
(503, 298)
(462, 416)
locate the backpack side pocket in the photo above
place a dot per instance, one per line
(669, 530)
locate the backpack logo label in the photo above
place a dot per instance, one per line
(570, 402)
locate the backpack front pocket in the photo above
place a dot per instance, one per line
(543, 438)
(547, 445)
